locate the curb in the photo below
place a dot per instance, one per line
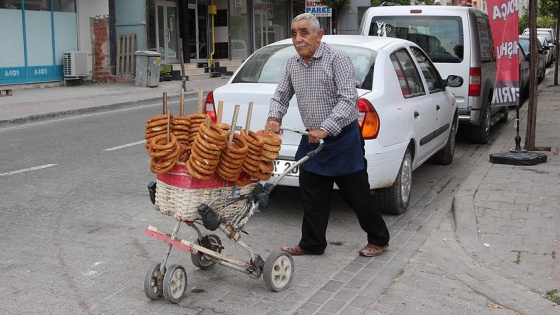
(86, 110)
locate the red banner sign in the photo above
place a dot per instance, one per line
(503, 15)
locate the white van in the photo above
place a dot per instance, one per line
(459, 41)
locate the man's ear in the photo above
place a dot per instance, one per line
(320, 34)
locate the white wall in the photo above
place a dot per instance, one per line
(86, 9)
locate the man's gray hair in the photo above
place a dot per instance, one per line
(312, 20)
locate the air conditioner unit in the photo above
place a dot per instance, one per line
(74, 64)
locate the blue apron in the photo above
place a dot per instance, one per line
(341, 155)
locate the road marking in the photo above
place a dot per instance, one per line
(125, 145)
(27, 170)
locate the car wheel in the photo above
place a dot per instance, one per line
(481, 133)
(394, 200)
(445, 155)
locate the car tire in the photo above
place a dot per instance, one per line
(394, 200)
(445, 155)
(481, 133)
(504, 118)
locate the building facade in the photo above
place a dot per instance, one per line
(110, 31)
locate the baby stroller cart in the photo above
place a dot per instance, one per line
(226, 208)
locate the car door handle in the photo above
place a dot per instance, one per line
(416, 114)
(437, 107)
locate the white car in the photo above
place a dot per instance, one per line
(407, 114)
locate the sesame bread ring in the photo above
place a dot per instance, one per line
(268, 156)
(238, 147)
(224, 126)
(158, 117)
(149, 135)
(213, 133)
(158, 154)
(271, 148)
(156, 170)
(266, 167)
(252, 138)
(229, 165)
(208, 147)
(263, 176)
(163, 163)
(203, 155)
(254, 149)
(230, 172)
(156, 129)
(252, 153)
(202, 151)
(203, 143)
(220, 144)
(180, 128)
(250, 167)
(197, 116)
(159, 142)
(254, 162)
(201, 169)
(181, 120)
(195, 174)
(156, 123)
(182, 138)
(202, 162)
(270, 138)
(230, 155)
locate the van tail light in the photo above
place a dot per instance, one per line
(369, 120)
(209, 107)
(475, 81)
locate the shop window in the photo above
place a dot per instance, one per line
(10, 4)
(64, 6)
(221, 18)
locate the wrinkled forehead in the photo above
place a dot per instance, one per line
(302, 25)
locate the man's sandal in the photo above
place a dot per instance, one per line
(371, 250)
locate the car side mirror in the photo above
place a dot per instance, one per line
(454, 81)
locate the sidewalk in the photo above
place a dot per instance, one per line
(507, 217)
(506, 234)
(42, 103)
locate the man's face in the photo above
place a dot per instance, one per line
(306, 41)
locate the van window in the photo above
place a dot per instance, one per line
(485, 39)
(441, 37)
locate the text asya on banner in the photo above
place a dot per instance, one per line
(503, 15)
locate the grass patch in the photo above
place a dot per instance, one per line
(554, 296)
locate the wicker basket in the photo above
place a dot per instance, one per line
(183, 203)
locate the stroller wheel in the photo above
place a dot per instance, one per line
(278, 271)
(202, 260)
(174, 283)
(153, 282)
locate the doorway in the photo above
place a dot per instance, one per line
(197, 32)
(167, 34)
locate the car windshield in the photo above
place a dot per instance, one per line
(269, 63)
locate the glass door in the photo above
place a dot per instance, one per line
(197, 32)
(167, 35)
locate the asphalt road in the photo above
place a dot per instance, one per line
(75, 205)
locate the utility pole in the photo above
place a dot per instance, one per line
(532, 109)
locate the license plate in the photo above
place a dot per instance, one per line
(280, 166)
